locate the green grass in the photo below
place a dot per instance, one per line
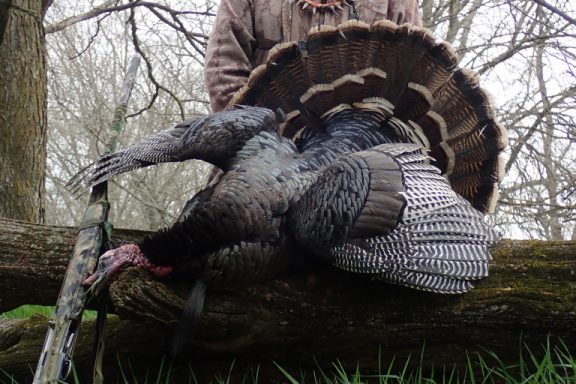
(26, 311)
(549, 365)
(554, 365)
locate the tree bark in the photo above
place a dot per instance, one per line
(308, 313)
(22, 110)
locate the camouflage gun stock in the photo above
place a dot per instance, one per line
(55, 363)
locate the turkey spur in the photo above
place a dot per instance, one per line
(383, 163)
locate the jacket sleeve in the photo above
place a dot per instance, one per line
(229, 51)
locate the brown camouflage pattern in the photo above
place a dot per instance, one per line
(244, 31)
(55, 361)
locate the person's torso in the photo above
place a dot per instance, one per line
(278, 21)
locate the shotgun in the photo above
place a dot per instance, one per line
(55, 363)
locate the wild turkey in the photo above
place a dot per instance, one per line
(387, 159)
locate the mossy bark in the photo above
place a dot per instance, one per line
(306, 314)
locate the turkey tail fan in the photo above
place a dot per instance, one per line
(407, 75)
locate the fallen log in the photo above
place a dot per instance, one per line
(309, 313)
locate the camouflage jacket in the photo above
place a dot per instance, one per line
(244, 31)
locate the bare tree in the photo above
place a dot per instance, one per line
(525, 52)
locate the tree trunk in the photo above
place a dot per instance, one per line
(22, 110)
(305, 314)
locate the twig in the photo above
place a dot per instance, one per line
(157, 85)
(92, 38)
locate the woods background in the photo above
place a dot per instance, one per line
(62, 63)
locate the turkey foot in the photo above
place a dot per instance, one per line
(114, 261)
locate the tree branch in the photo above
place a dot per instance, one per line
(94, 12)
(557, 11)
(108, 8)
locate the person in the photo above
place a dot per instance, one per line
(245, 30)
